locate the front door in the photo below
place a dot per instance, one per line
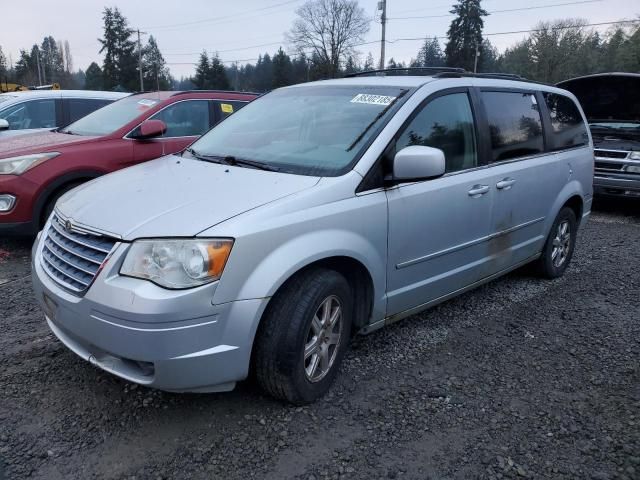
(186, 120)
(439, 229)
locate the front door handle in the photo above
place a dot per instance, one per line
(478, 190)
(505, 184)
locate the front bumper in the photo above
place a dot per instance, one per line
(174, 340)
(618, 185)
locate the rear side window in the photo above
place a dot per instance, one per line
(515, 125)
(227, 107)
(79, 107)
(188, 118)
(445, 123)
(567, 127)
(31, 114)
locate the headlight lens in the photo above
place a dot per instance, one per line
(634, 156)
(19, 165)
(177, 263)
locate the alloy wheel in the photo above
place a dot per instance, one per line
(323, 339)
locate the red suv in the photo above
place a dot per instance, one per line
(36, 169)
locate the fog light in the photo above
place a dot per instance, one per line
(632, 168)
(7, 202)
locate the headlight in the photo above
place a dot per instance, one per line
(177, 263)
(634, 156)
(19, 165)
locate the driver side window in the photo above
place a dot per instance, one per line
(446, 123)
(188, 118)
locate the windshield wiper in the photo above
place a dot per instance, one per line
(233, 161)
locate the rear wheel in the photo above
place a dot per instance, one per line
(304, 335)
(558, 249)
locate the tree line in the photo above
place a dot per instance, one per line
(324, 41)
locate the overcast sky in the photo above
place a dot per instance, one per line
(242, 29)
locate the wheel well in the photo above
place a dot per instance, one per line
(575, 204)
(55, 192)
(358, 278)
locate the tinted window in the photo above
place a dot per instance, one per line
(185, 119)
(568, 128)
(79, 107)
(113, 117)
(514, 124)
(227, 107)
(32, 114)
(445, 123)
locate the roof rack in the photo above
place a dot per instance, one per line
(181, 92)
(500, 76)
(408, 70)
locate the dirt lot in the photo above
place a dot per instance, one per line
(521, 378)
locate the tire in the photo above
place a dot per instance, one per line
(291, 323)
(558, 249)
(51, 203)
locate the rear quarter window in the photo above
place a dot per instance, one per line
(515, 125)
(568, 129)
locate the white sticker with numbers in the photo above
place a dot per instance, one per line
(383, 100)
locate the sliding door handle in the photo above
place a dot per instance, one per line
(505, 184)
(478, 190)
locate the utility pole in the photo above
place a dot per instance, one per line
(382, 5)
(140, 61)
(237, 74)
(475, 60)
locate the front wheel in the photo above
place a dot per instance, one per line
(304, 336)
(559, 246)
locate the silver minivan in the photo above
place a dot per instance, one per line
(316, 212)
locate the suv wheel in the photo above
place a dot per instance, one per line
(559, 246)
(304, 336)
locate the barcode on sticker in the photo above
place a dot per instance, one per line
(373, 99)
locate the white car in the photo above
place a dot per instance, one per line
(27, 112)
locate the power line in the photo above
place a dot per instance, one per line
(441, 37)
(538, 7)
(229, 49)
(217, 19)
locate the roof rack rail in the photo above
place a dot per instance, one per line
(409, 70)
(499, 76)
(181, 92)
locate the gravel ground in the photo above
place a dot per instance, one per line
(521, 378)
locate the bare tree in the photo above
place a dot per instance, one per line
(68, 59)
(329, 30)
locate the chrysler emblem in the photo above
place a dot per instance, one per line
(68, 226)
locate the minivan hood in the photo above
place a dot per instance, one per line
(607, 96)
(38, 142)
(174, 197)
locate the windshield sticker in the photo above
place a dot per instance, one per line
(383, 100)
(145, 102)
(226, 107)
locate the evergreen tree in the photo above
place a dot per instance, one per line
(155, 72)
(24, 70)
(430, 54)
(351, 66)
(201, 78)
(119, 68)
(3, 65)
(465, 34)
(263, 73)
(281, 69)
(300, 69)
(217, 79)
(94, 79)
(369, 63)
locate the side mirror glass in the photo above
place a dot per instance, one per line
(418, 163)
(4, 125)
(149, 129)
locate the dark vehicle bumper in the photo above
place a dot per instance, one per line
(617, 185)
(21, 229)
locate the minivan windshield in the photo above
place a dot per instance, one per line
(315, 130)
(108, 119)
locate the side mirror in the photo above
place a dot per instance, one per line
(418, 163)
(149, 129)
(4, 125)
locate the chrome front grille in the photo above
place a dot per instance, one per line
(610, 153)
(72, 258)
